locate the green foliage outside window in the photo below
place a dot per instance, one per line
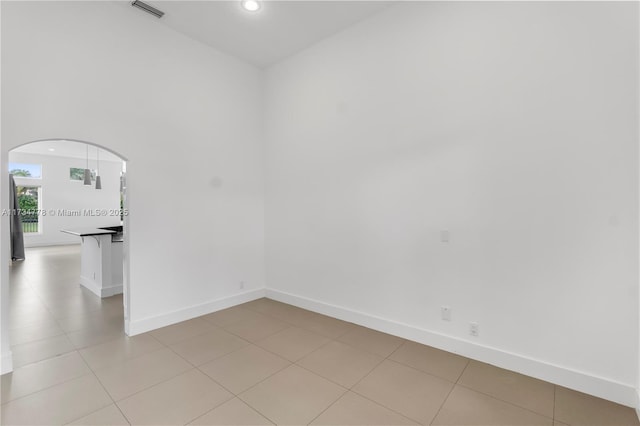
(78, 174)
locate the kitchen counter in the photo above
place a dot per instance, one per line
(101, 259)
(83, 232)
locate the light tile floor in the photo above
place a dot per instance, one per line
(260, 363)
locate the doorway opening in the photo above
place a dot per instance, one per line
(70, 288)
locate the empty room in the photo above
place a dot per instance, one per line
(266, 212)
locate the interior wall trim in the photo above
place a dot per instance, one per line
(601, 387)
(151, 323)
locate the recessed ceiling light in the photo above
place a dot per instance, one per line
(51, 149)
(250, 5)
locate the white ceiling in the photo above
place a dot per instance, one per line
(278, 30)
(64, 148)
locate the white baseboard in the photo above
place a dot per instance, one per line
(91, 285)
(638, 403)
(6, 363)
(101, 292)
(584, 382)
(111, 291)
(151, 323)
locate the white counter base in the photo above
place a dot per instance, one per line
(92, 286)
(101, 265)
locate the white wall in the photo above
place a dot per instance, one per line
(6, 361)
(188, 120)
(513, 126)
(61, 195)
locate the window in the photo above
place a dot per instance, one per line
(78, 174)
(25, 170)
(28, 195)
(29, 204)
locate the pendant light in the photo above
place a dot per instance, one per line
(98, 180)
(87, 172)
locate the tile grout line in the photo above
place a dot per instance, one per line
(254, 409)
(457, 383)
(219, 384)
(51, 386)
(420, 371)
(59, 325)
(151, 332)
(322, 346)
(298, 325)
(230, 353)
(555, 389)
(121, 361)
(384, 406)
(105, 391)
(444, 401)
(462, 371)
(55, 319)
(366, 375)
(377, 402)
(260, 312)
(399, 362)
(36, 340)
(314, 351)
(56, 354)
(227, 354)
(204, 414)
(43, 304)
(286, 329)
(245, 339)
(371, 371)
(368, 351)
(263, 337)
(329, 406)
(98, 343)
(128, 359)
(322, 377)
(292, 324)
(149, 387)
(398, 348)
(306, 355)
(257, 383)
(228, 400)
(170, 347)
(197, 367)
(504, 401)
(278, 371)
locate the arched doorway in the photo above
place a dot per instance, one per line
(65, 203)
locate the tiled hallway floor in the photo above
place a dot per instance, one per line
(263, 362)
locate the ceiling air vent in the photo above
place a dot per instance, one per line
(147, 8)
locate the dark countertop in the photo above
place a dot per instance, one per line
(83, 232)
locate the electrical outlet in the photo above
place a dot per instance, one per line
(445, 313)
(445, 236)
(241, 285)
(474, 329)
